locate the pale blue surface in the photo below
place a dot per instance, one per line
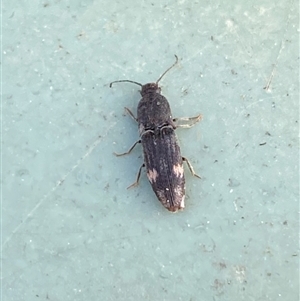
(71, 230)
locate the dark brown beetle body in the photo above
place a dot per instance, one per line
(162, 156)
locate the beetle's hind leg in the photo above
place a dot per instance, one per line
(187, 122)
(190, 167)
(136, 183)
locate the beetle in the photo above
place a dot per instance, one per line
(162, 156)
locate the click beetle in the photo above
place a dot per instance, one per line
(162, 156)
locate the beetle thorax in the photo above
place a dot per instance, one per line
(154, 111)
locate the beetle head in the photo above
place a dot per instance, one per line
(150, 88)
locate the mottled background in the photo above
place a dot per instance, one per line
(70, 229)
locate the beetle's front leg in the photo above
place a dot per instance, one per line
(187, 122)
(131, 114)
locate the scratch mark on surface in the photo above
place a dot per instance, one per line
(282, 46)
(60, 182)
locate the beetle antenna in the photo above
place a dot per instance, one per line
(168, 69)
(124, 80)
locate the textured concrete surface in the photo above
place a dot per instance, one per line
(71, 230)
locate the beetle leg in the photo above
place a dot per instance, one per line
(187, 122)
(129, 151)
(190, 167)
(136, 183)
(131, 114)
